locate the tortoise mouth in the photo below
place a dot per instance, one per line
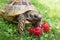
(37, 19)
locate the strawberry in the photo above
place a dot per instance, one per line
(46, 27)
(31, 30)
(35, 31)
(38, 31)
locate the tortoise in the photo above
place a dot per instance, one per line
(21, 12)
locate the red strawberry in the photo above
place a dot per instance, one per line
(38, 31)
(35, 31)
(31, 30)
(46, 27)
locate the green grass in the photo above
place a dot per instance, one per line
(50, 12)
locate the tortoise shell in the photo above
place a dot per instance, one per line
(16, 7)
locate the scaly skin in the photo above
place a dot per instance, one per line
(21, 24)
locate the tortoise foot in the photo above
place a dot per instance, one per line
(22, 33)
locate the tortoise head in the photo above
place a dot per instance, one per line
(34, 16)
(37, 17)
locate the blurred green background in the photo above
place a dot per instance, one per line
(50, 10)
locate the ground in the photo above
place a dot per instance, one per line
(49, 9)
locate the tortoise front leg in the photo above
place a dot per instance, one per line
(21, 24)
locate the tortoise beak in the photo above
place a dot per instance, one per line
(37, 19)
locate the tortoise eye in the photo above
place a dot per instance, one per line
(35, 16)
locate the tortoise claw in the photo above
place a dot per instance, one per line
(22, 33)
